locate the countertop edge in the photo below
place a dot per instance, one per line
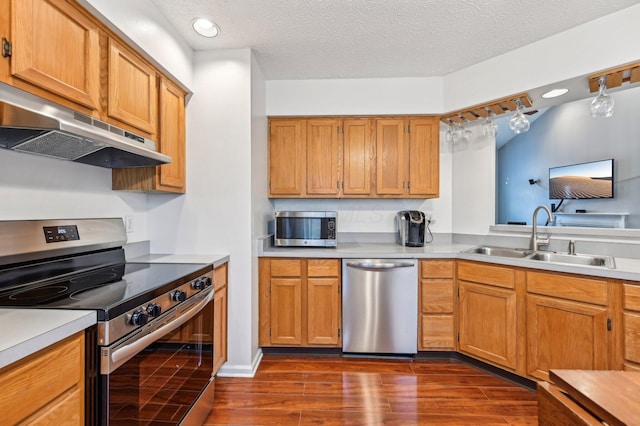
(48, 326)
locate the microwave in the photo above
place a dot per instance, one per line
(305, 229)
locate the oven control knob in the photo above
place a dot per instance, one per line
(179, 296)
(207, 281)
(138, 318)
(154, 310)
(198, 284)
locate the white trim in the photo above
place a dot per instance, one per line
(241, 370)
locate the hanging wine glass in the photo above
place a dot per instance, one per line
(518, 122)
(602, 105)
(489, 127)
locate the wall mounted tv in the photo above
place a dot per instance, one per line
(582, 181)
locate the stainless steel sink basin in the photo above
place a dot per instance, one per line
(575, 259)
(500, 251)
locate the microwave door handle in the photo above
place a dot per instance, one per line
(112, 359)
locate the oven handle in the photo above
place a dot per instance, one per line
(114, 357)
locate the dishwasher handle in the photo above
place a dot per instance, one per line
(380, 266)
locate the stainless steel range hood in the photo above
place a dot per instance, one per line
(34, 125)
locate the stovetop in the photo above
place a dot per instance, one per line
(110, 290)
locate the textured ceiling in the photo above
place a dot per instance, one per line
(309, 39)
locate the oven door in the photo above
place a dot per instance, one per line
(162, 375)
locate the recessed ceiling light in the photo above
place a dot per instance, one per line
(554, 93)
(205, 27)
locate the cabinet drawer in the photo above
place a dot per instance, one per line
(437, 331)
(52, 378)
(323, 267)
(220, 276)
(588, 290)
(437, 296)
(286, 267)
(632, 297)
(436, 268)
(487, 274)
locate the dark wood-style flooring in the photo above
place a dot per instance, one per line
(355, 391)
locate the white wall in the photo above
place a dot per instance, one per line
(36, 187)
(355, 96)
(215, 215)
(262, 209)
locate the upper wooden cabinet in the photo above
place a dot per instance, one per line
(287, 165)
(55, 50)
(132, 89)
(363, 157)
(323, 147)
(358, 157)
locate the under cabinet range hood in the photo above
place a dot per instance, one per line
(34, 125)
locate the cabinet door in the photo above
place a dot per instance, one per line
(133, 91)
(171, 137)
(286, 311)
(323, 311)
(358, 154)
(56, 48)
(286, 158)
(219, 328)
(488, 323)
(424, 157)
(564, 335)
(322, 157)
(390, 157)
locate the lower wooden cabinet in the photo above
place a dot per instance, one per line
(488, 313)
(436, 295)
(631, 318)
(300, 303)
(220, 317)
(566, 323)
(46, 387)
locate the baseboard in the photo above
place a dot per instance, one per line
(241, 370)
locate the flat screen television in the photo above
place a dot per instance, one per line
(582, 181)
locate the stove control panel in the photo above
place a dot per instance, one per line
(56, 234)
(144, 314)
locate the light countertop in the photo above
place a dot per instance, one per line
(204, 259)
(26, 331)
(626, 268)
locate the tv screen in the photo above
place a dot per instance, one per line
(582, 181)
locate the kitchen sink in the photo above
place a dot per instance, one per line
(574, 259)
(500, 251)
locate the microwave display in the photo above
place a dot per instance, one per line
(314, 229)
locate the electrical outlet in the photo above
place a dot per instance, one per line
(128, 224)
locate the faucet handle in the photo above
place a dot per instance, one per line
(572, 247)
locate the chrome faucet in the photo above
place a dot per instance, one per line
(537, 242)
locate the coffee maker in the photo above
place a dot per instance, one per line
(410, 226)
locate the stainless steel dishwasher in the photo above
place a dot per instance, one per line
(380, 306)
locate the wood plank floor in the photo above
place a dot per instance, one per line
(355, 391)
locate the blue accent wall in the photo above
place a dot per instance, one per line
(567, 134)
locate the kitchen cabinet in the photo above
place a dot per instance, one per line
(220, 317)
(631, 318)
(360, 157)
(132, 89)
(322, 150)
(487, 313)
(55, 52)
(391, 159)
(172, 142)
(46, 387)
(287, 165)
(567, 323)
(300, 302)
(436, 296)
